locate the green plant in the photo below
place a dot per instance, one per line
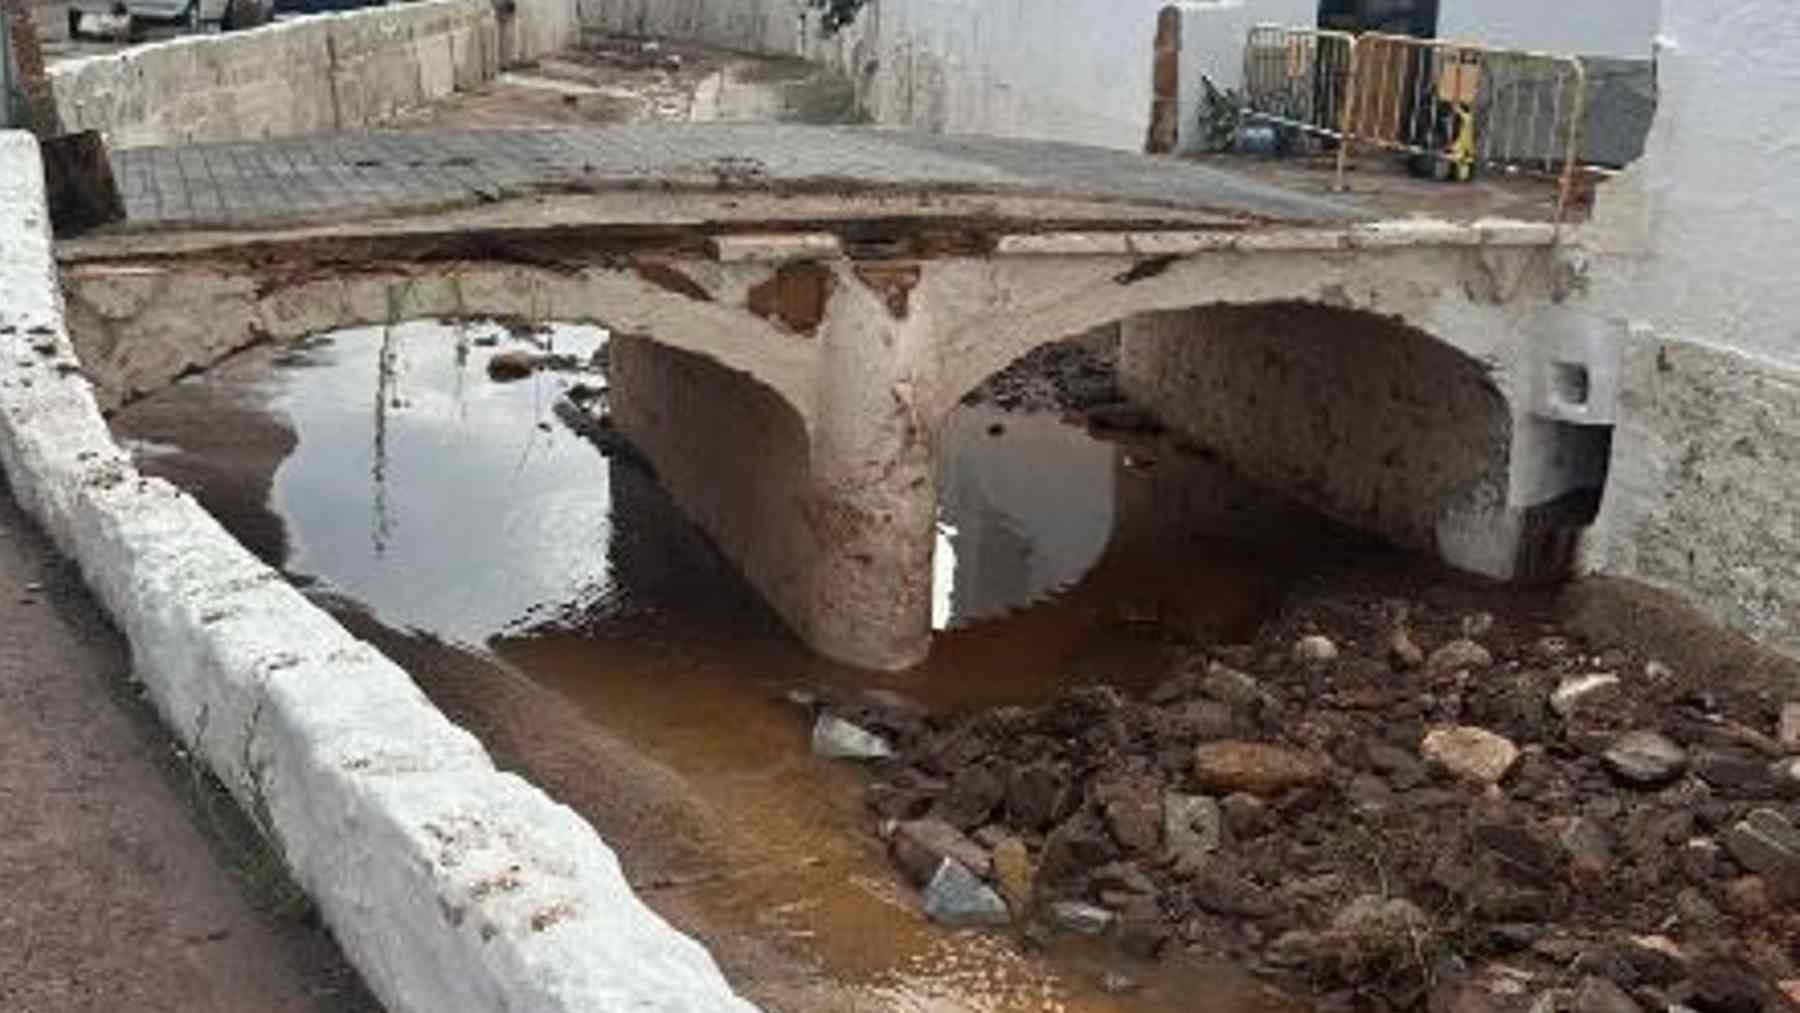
(837, 13)
(1221, 113)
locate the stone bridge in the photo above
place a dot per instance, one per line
(796, 312)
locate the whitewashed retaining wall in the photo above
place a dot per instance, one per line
(324, 72)
(450, 885)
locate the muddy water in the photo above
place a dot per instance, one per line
(551, 597)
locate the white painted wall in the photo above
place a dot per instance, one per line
(1692, 250)
(1072, 70)
(1619, 28)
(1715, 203)
(1212, 46)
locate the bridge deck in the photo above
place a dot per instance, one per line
(357, 175)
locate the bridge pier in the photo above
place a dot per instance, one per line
(833, 522)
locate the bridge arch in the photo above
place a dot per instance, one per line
(139, 326)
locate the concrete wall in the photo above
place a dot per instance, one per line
(1386, 428)
(1623, 29)
(1690, 249)
(770, 27)
(730, 452)
(318, 73)
(1075, 70)
(450, 885)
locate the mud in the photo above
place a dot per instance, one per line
(131, 880)
(597, 643)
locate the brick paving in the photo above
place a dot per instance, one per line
(346, 175)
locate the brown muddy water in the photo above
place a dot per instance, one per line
(552, 598)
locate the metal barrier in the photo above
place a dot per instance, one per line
(1452, 105)
(11, 100)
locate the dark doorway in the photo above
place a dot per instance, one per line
(1398, 17)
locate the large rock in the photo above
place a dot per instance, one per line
(1765, 842)
(1457, 655)
(1230, 686)
(837, 739)
(1373, 925)
(1193, 828)
(1598, 995)
(957, 897)
(1589, 846)
(1315, 650)
(974, 793)
(1081, 917)
(1473, 754)
(1038, 795)
(1077, 845)
(1257, 768)
(1134, 812)
(920, 845)
(1015, 874)
(1646, 758)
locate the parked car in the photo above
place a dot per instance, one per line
(124, 16)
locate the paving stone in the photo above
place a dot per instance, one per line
(261, 183)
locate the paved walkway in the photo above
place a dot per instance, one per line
(341, 175)
(114, 898)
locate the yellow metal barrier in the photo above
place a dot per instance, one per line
(1451, 105)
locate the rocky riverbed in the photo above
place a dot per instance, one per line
(1383, 802)
(1408, 791)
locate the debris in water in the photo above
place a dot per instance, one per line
(837, 739)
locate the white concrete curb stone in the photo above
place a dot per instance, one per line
(450, 885)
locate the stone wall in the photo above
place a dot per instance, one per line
(318, 73)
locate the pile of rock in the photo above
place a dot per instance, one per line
(1476, 816)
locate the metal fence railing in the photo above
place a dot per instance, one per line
(11, 102)
(1452, 105)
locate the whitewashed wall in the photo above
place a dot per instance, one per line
(1694, 250)
(1212, 46)
(1617, 28)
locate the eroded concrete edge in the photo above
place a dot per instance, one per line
(450, 885)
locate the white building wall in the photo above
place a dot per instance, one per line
(1694, 250)
(1617, 28)
(1076, 70)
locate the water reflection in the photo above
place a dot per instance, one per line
(439, 499)
(447, 502)
(1028, 507)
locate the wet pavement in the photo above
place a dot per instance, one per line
(550, 597)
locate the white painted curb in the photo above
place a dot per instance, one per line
(450, 885)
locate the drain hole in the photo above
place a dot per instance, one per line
(1571, 379)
